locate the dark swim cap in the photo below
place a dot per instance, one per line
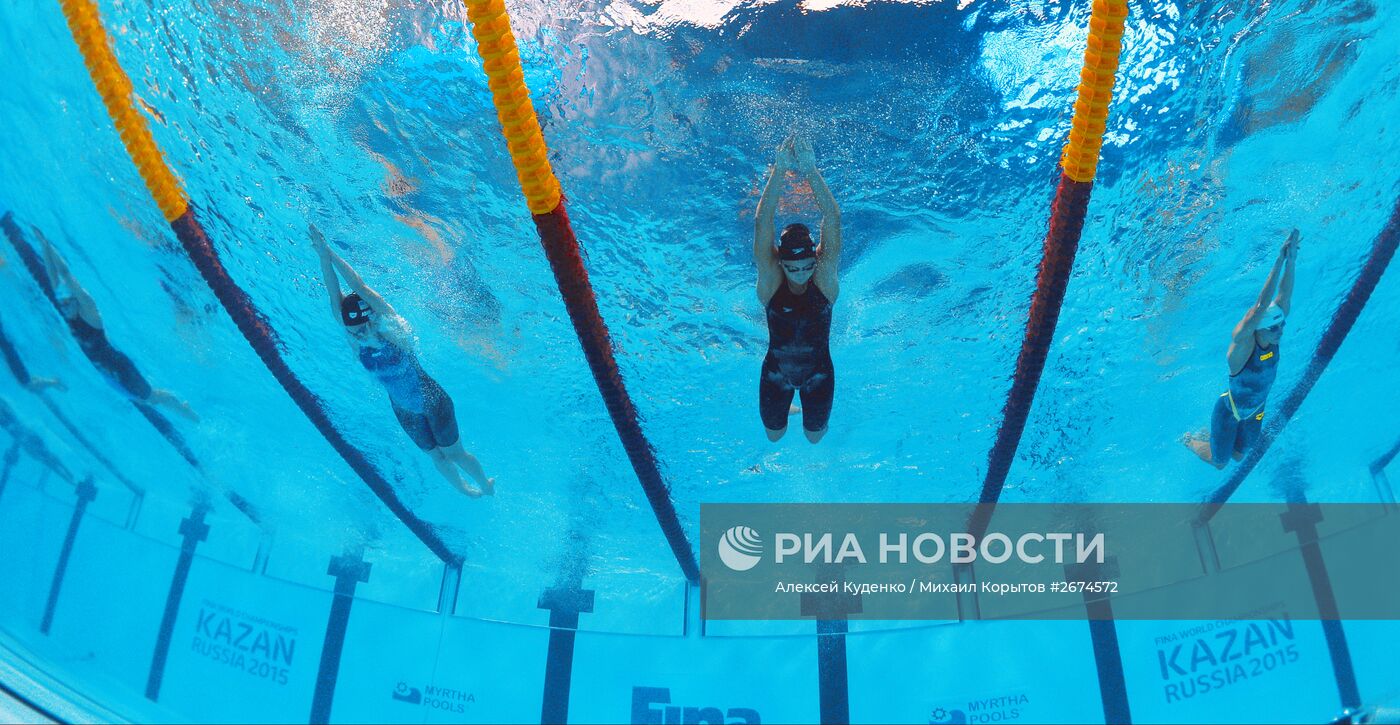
(353, 310)
(796, 243)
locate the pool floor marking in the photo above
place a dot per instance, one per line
(85, 492)
(95, 452)
(1332, 338)
(85, 25)
(193, 530)
(1103, 636)
(832, 683)
(349, 570)
(1382, 481)
(969, 606)
(831, 610)
(1301, 519)
(565, 602)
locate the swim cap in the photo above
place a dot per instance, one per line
(1273, 317)
(796, 243)
(354, 310)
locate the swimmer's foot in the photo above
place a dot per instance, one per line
(1199, 443)
(794, 410)
(490, 488)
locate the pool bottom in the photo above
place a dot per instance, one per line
(245, 647)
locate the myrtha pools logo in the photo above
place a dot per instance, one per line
(740, 548)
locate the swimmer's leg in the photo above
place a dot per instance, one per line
(40, 384)
(1248, 434)
(1199, 443)
(1218, 449)
(817, 397)
(169, 400)
(774, 399)
(471, 466)
(446, 467)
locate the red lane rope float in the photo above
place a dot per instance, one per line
(1079, 163)
(562, 250)
(1382, 251)
(116, 91)
(506, 78)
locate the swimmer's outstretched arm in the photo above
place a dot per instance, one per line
(61, 278)
(764, 231)
(1242, 339)
(376, 302)
(1284, 298)
(828, 262)
(328, 276)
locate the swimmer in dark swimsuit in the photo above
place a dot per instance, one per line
(797, 285)
(1238, 418)
(79, 310)
(382, 341)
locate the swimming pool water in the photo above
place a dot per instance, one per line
(938, 126)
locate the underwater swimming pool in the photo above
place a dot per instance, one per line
(250, 574)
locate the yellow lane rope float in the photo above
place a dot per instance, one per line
(1081, 156)
(116, 91)
(506, 79)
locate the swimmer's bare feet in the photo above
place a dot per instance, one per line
(490, 487)
(794, 410)
(1199, 443)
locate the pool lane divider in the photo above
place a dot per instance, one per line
(1078, 166)
(115, 88)
(85, 492)
(193, 530)
(1301, 519)
(1382, 251)
(1103, 638)
(490, 26)
(349, 570)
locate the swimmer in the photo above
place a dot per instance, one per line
(79, 310)
(1253, 357)
(384, 345)
(797, 285)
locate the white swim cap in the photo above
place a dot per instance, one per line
(1273, 317)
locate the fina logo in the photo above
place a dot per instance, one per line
(740, 548)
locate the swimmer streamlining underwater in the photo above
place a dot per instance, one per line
(79, 310)
(797, 285)
(1238, 418)
(385, 348)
